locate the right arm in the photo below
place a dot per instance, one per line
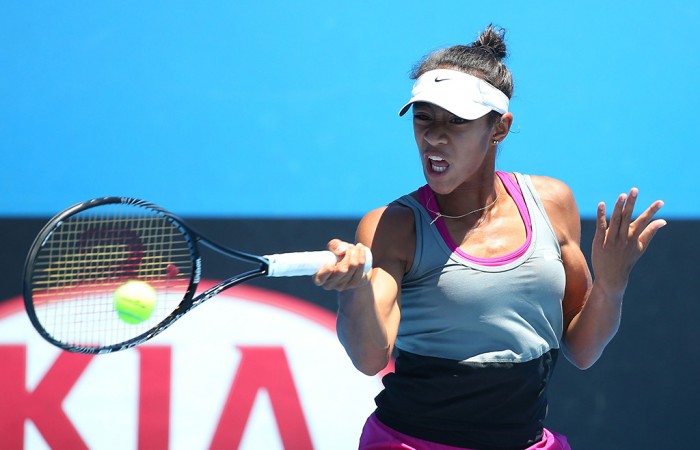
(369, 306)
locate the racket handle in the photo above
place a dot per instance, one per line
(305, 263)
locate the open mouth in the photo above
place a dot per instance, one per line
(438, 164)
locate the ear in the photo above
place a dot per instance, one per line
(502, 127)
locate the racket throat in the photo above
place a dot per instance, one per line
(227, 284)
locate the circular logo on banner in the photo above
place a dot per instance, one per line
(249, 369)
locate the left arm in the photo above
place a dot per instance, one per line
(592, 309)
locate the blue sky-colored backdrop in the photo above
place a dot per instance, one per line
(279, 109)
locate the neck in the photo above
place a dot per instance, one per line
(469, 200)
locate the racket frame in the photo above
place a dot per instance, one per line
(188, 302)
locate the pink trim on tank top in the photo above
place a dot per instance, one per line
(426, 195)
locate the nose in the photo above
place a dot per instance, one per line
(435, 134)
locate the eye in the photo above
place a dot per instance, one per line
(459, 121)
(421, 117)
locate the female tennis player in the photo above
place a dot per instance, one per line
(479, 280)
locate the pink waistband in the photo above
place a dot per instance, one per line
(377, 436)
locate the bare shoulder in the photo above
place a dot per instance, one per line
(560, 204)
(552, 190)
(390, 232)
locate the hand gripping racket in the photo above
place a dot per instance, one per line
(87, 252)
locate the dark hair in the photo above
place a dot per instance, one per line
(482, 58)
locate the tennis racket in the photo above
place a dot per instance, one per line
(87, 252)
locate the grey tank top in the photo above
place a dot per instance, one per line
(482, 310)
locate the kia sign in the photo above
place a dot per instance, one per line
(249, 369)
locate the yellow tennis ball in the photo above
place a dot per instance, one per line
(135, 301)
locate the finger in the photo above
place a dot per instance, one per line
(352, 254)
(616, 216)
(647, 216)
(356, 279)
(648, 234)
(627, 211)
(361, 254)
(601, 225)
(330, 279)
(347, 257)
(348, 271)
(338, 247)
(362, 274)
(342, 279)
(321, 277)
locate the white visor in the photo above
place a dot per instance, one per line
(463, 95)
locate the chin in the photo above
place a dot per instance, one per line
(438, 187)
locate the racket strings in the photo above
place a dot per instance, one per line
(90, 254)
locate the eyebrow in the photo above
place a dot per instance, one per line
(432, 107)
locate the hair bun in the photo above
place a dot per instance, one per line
(492, 40)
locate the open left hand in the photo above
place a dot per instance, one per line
(618, 246)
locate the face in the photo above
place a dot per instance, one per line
(454, 151)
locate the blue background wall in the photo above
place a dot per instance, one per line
(271, 109)
(273, 126)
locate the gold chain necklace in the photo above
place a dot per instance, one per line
(439, 214)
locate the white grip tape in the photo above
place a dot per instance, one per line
(305, 263)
